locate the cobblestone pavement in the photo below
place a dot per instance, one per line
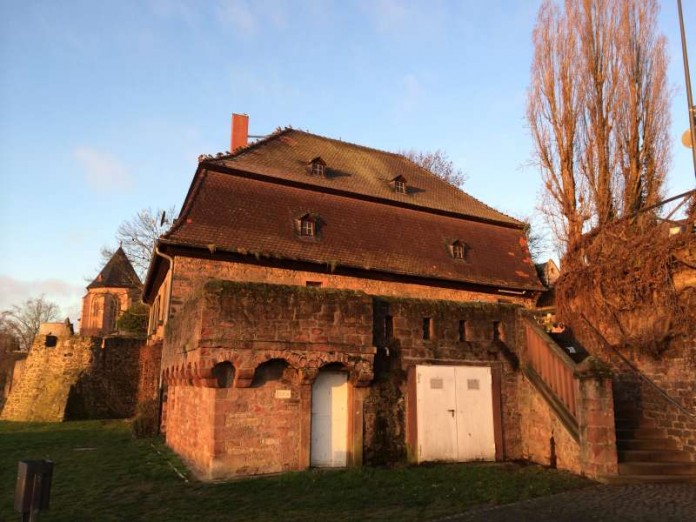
(620, 503)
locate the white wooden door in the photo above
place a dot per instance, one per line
(436, 407)
(329, 441)
(454, 413)
(475, 435)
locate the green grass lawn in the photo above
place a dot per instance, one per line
(101, 473)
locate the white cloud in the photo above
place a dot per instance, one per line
(67, 295)
(103, 171)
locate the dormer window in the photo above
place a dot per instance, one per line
(399, 183)
(317, 167)
(308, 226)
(458, 250)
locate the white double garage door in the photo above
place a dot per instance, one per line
(454, 413)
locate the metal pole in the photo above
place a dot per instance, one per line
(689, 99)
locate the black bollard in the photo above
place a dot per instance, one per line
(33, 491)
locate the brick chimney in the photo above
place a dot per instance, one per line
(240, 131)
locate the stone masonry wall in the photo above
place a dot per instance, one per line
(41, 395)
(674, 371)
(274, 339)
(544, 437)
(191, 273)
(11, 368)
(489, 338)
(71, 377)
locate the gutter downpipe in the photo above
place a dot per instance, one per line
(160, 388)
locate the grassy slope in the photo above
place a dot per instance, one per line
(120, 478)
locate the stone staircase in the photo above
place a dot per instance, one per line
(646, 454)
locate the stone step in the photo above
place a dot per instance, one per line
(647, 479)
(646, 444)
(641, 433)
(653, 456)
(658, 468)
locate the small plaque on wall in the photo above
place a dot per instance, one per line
(283, 394)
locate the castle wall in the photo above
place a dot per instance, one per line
(191, 273)
(277, 338)
(75, 377)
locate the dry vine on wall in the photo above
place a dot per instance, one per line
(621, 279)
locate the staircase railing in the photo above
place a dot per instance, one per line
(552, 371)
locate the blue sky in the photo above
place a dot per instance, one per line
(105, 106)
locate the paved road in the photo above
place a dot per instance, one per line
(611, 503)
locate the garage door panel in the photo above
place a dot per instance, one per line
(436, 413)
(475, 434)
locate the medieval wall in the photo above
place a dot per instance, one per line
(191, 273)
(74, 377)
(243, 356)
(239, 360)
(11, 368)
(544, 437)
(642, 317)
(477, 334)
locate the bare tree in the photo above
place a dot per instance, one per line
(139, 234)
(23, 321)
(554, 114)
(598, 110)
(439, 163)
(643, 110)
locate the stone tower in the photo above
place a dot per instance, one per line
(110, 294)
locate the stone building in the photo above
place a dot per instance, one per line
(321, 303)
(111, 293)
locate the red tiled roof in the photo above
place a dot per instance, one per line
(357, 169)
(253, 216)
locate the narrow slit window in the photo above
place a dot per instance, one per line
(463, 331)
(388, 327)
(427, 328)
(496, 331)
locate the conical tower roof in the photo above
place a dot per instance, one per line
(117, 273)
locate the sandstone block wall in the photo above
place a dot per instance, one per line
(11, 368)
(49, 373)
(488, 338)
(274, 340)
(191, 273)
(544, 437)
(74, 377)
(674, 371)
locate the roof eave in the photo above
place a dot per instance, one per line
(494, 285)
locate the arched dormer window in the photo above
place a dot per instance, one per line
(399, 183)
(459, 250)
(317, 167)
